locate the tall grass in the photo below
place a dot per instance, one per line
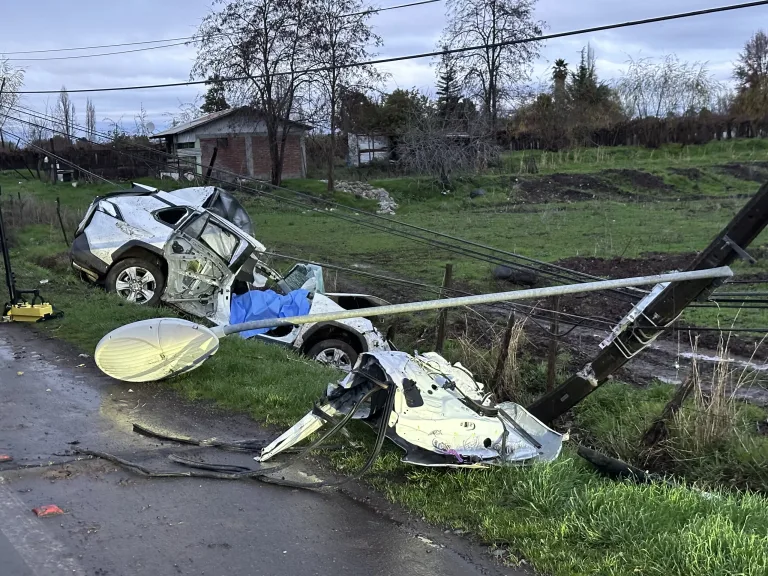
(712, 439)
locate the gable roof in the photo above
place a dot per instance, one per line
(207, 119)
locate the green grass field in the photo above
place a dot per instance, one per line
(562, 518)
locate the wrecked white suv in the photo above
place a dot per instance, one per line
(193, 248)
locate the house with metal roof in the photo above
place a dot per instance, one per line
(235, 143)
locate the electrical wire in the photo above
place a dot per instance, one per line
(541, 38)
(547, 314)
(187, 40)
(79, 56)
(557, 272)
(74, 49)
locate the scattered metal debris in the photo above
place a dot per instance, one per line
(440, 415)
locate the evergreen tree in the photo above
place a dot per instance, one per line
(215, 98)
(448, 90)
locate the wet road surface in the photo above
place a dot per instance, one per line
(118, 523)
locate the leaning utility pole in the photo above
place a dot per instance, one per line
(659, 311)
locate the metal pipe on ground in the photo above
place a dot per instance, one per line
(534, 293)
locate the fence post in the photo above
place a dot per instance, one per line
(443, 315)
(501, 362)
(555, 332)
(53, 164)
(210, 165)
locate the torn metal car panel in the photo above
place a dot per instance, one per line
(441, 416)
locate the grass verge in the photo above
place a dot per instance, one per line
(561, 518)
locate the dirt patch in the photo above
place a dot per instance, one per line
(604, 304)
(754, 172)
(564, 188)
(58, 261)
(693, 174)
(639, 180)
(649, 263)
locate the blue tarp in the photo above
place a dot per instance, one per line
(260, 305)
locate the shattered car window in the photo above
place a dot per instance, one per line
(221, 241)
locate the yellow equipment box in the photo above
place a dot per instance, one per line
(24, 312)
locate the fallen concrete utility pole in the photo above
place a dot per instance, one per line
(532, 294)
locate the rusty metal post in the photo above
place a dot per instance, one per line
(555, 333)
(443, 315)
(501, 362)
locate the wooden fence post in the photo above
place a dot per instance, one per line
(54, 172)
(501, 362)
(443, 315)
(555, 330)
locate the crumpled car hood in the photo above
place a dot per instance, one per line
(441, 416)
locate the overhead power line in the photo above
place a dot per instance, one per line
(75, 49)
(541, 38)
(79, 56)
(176, 41)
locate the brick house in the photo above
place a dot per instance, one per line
(239, 136)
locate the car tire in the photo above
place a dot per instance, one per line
(335, 353)
(137, 280)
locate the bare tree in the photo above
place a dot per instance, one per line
(666, 87)
(142, 123)
(268, 43)
(65, 114)
(442, 148)
(342, 37)
(37, 128)
(186, 112)
(116, 129)
(495, 70)
(90, 120)
(11, 80)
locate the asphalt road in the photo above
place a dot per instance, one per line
(118, 523)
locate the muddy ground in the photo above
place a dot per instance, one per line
(664, 360)
(118, 523)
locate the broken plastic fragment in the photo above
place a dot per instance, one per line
(49, 510)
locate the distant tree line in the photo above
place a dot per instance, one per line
(655, 101)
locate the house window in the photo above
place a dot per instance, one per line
(182, 145)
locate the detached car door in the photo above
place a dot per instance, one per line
(204, 255)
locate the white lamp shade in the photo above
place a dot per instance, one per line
(154, 349)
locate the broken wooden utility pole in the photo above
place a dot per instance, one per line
(659, 431)
(442, 317)
(660, 312)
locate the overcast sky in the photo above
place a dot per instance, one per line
(42, 24)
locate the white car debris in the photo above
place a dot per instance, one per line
(193, 249)
(439, 414)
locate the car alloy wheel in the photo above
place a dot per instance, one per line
(335, 357)
(136, 284)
